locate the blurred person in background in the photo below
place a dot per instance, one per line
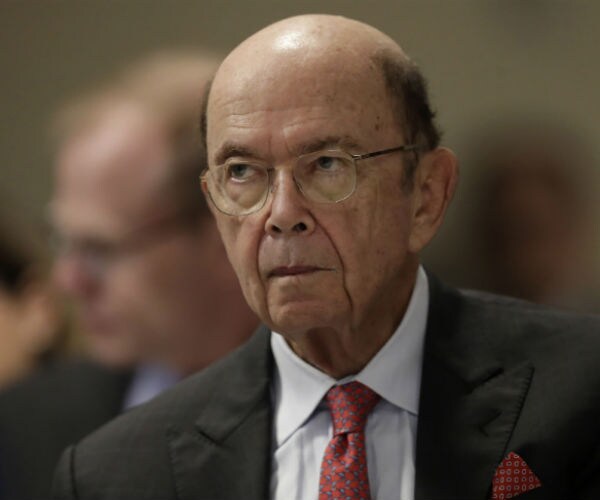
(139, 254)
(534, 223)
(31, 323)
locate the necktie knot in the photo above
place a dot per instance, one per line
(350, 405)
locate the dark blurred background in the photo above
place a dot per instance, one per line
(488, 63)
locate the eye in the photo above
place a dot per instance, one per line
(238, 170)
(326, 163)
(242, 172)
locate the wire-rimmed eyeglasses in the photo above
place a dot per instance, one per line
(241, 187)
(99, 253)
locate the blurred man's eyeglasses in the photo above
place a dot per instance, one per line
(98, 254)
(241, 187)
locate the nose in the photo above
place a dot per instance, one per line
(73, 277)
(288, 212)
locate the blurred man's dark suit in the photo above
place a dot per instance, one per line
(499, 376)
(42, 415)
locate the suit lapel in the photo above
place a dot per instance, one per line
(226, 453)
(470, 401)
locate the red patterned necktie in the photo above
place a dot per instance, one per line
(344, 468)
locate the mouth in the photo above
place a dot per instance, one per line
(283, 271)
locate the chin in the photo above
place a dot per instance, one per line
(295, 320)
(112, 358)
(111, 350)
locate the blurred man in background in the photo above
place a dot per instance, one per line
(140, 255)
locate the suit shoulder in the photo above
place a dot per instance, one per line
(559, 340)
(183, 403)
(510, 330)
(521, 316)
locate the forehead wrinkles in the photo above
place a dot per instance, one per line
(261, 96)
(298, 130)
(275, 78)
(298, 96)
(246, 115)
(301, 76)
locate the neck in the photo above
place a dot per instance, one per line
(337, 354)
(346, 351)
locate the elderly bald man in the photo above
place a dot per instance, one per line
(370, 379)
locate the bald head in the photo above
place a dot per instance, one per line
(318, 30)
(312, 41)
(296, 54)
(312, 47)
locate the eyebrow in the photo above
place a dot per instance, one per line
(231, 149)
(332, 141)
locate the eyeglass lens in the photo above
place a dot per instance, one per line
(324, 177)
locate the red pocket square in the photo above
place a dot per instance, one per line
(513, 477)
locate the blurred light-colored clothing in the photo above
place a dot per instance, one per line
(148, 381)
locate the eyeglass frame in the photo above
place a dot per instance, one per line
(99, 255)
(405, 148)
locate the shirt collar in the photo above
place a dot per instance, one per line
(394, 372)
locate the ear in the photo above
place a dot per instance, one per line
(434, 185)
(209, 202)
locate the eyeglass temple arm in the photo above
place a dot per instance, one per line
(404, 148)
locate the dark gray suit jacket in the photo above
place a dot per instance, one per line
(43, 414)
(498, 376)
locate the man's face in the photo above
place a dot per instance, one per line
(127, 255)
(304, 265)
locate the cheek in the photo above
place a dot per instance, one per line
(121, 286)
(241, 238)
(132, 293)
(373, 245)
(149, 281)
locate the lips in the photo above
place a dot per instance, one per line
(283, 271)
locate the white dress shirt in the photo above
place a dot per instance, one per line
(302, 422)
